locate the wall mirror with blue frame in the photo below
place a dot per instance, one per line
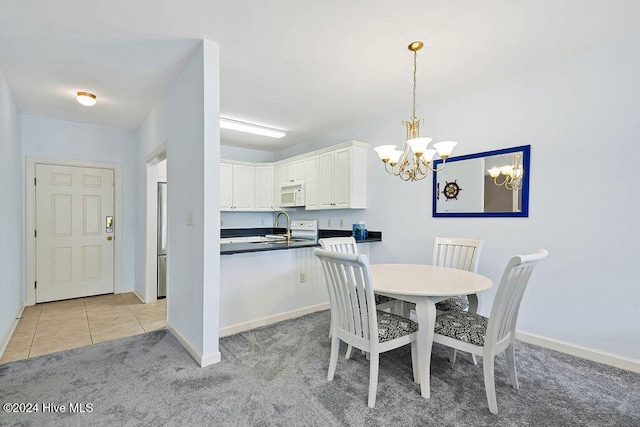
(488, 184)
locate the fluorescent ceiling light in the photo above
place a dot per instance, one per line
(86, 98)
(250, 128)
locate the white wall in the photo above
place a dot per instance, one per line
(11, 213)
(48, 138)
(580, 116)
(187, 120)
(236, 153)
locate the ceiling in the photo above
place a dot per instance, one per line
(307, 67)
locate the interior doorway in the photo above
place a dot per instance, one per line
(156, 172)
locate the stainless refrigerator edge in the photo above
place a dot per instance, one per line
(162, 239)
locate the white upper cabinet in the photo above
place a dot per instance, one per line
(237, 187)
(311, 182)
(226, 186)
(335, 178)
(265, 188)
(342, 178)
(293, 171)
(326, 180)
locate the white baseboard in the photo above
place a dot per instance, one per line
(6, 340)
(610, 359)
(264, 321)
(203, 361)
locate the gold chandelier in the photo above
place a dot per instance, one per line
(512, 174)
(401, 162)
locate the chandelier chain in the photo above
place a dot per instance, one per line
(415, 62)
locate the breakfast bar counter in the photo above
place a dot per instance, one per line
(270, 245)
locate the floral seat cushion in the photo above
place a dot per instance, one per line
(392, 326)
(460, 303)
(381, 299)
(462, 326)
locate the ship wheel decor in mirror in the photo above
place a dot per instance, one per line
(414, 162)
(451, 190)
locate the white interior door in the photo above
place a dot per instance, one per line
(74, 247)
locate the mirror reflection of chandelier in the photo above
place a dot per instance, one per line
(416, 166)
(512, 174)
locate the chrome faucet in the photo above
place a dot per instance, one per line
(275, 224)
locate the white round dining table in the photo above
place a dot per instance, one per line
(425, 285)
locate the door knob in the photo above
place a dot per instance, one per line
(109, 237)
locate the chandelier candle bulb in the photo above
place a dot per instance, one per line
(428, 154)
(418, 145)
(445, 148)
(385, 152)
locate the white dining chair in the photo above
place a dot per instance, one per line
(488, 337)
(461, 253)
(348, 245)
(464, 254)
(355, 319)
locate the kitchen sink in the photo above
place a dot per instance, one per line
(281, 241)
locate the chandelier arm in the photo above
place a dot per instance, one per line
(432, 169)
(405, 174)
(393, 170)
(495, 181)
(508, 186)
(421, 166)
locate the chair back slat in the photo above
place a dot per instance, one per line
(339, 244)
(350, 293)
(457, 252)
(504, 313)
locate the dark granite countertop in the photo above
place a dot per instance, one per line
(237, 248)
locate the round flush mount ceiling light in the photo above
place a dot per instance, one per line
(86, 98)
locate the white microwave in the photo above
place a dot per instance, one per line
(292, 194)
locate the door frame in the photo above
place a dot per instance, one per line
(30, 192)
(150, 292)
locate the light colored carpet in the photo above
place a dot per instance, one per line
(276, 375)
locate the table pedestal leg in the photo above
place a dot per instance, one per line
(426, 313)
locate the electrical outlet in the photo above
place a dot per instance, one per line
(341, 223)
(189, 218)
(329, 223)
(303, 277)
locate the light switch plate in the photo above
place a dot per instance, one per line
(189, 218)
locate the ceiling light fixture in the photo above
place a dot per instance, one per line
(87, 99)
(251, 128)
(419, 166)
(512, 174)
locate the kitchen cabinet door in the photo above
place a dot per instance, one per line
(226, 186)
(293, 171)
(343, 177)
(264, 188)
(243, 187)
(311, 183)
(326, 180)
(237, 187)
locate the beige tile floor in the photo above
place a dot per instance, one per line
(62, 325)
